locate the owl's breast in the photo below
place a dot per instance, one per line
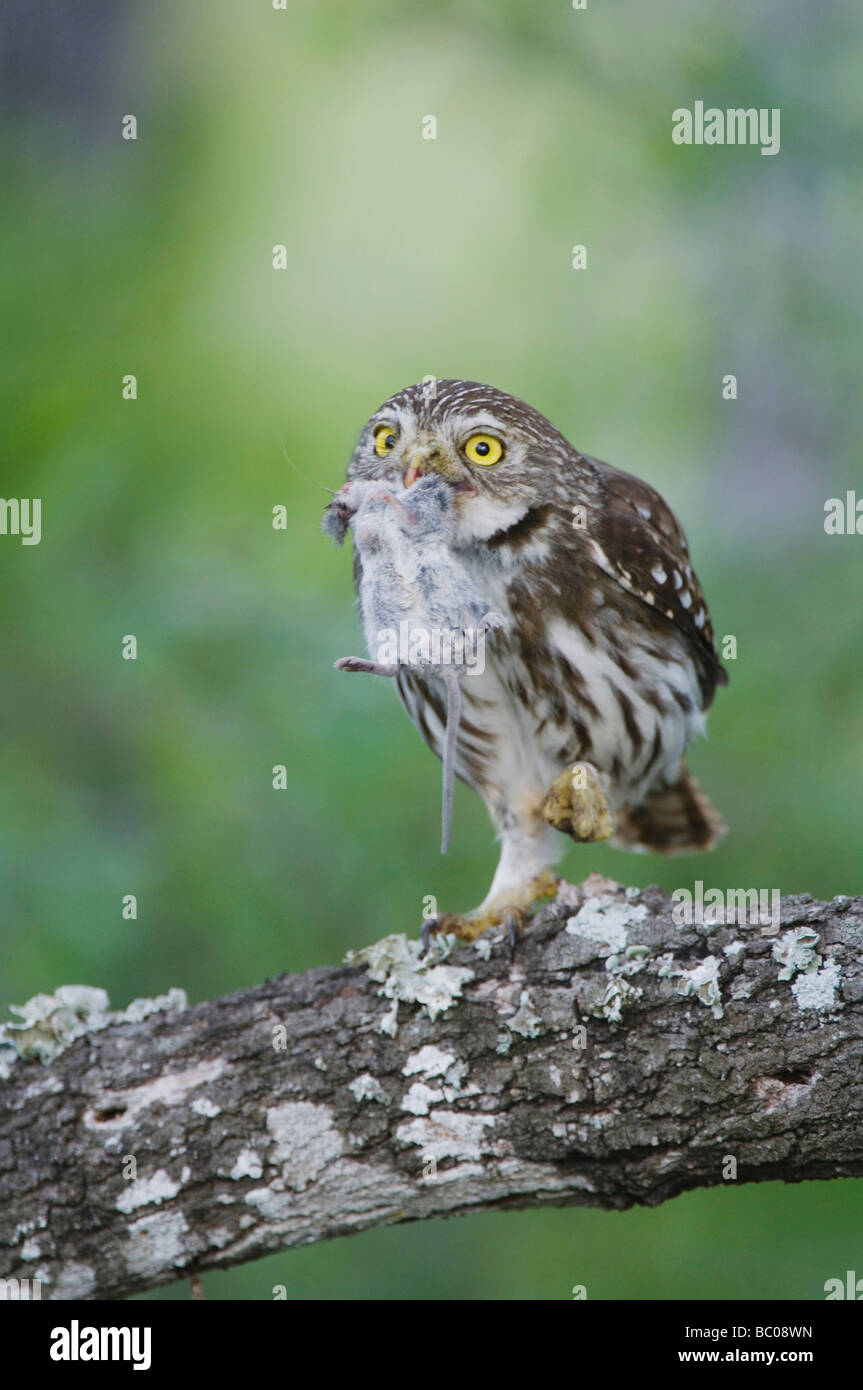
(560, 684)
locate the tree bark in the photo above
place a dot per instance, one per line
(615, 1058)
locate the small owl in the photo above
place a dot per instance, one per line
(605, 663)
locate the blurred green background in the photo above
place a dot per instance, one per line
(406, 257)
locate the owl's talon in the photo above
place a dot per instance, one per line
(445, 923)
(514, 922)
(509, 912)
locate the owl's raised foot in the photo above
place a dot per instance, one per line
(576, 804)
(509, 911)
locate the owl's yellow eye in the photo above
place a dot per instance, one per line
(483, 449)
(385, 438)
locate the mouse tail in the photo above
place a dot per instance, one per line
(453, 718)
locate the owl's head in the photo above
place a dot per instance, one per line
(497, 454)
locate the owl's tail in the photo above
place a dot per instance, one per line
(672, 820)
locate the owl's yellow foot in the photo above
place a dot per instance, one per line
(508, 910)
(576, 804)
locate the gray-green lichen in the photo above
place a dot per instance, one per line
(614, 996)
(525, 1020)
(367, 1087)
(408, 975)
(448, 1073)
(818, 989)
(483, 946)
(51, 1022)
(797, 950)
(633, 959)
(142, 1008)
(618, 991)
(606, 920)
(8, 1058)
(702, 981)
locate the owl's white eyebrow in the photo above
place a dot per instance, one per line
(479, 422)
(395, 417)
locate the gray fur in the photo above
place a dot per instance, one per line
(410, 574)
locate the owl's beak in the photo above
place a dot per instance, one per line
(430, 456)
(422, 459)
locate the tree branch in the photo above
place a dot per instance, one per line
(618, 1058)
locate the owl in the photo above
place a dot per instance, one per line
(604, 663)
